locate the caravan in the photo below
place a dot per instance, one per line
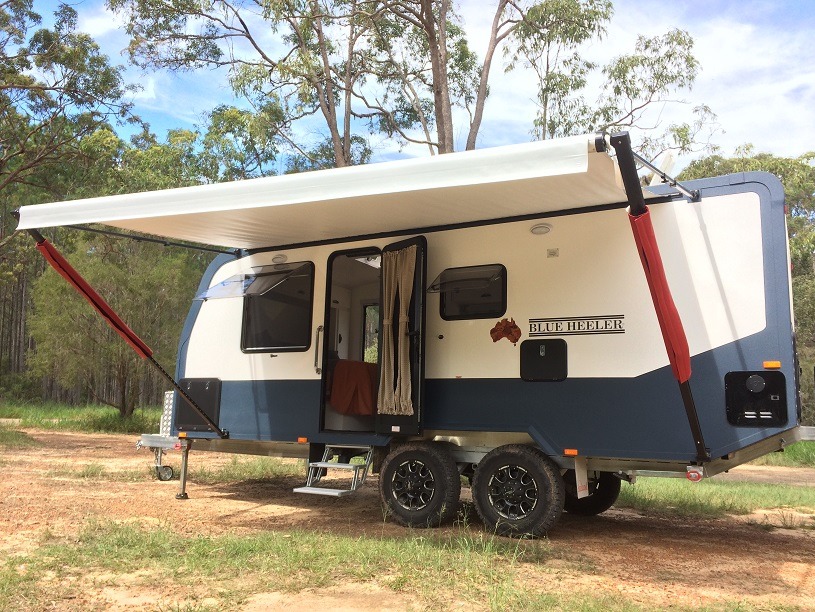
(524, 318)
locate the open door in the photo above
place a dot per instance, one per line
(400, 399)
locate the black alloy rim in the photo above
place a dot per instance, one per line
(413, 485)
(513, 492)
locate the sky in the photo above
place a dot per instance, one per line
(757, 73)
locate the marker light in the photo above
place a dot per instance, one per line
(772, 365)
(570, 452)
(302, 440)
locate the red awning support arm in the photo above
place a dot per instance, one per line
(61, 265)
(673, 333)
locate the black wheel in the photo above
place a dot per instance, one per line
(419, 485)
(604, 488)
(518, 491)
(164, 472)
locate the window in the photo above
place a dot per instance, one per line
(474, 292)
(277, 308)
(370, 333)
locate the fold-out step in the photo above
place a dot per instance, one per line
(324, 491)
(316, 469)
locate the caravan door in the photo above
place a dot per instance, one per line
(400, 400)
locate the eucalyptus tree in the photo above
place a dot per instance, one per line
(403, 68)
(73, 352)
(55, 87)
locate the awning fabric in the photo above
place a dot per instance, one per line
(673, 333)
(59, 263)
(531, 178)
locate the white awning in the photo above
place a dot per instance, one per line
(479, 185)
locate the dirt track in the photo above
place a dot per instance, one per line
(647, 560)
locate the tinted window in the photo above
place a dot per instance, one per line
(278, 316)
(474, 292)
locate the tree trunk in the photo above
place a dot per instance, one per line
(436, 31)
(481, 94)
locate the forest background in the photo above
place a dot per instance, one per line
(311, 84)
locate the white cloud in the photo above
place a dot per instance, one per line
(98, 21)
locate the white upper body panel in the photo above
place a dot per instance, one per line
(586, 266)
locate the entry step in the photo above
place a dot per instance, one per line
(324, 491)
(331, 465)
(316, 469)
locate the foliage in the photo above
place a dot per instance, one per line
(797, 174)
(55, 87)
(405, 69)
(659, 67)
(91, 418)
(149, 284)
(240, 144)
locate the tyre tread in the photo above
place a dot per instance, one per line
(529, 526)
(441, 513)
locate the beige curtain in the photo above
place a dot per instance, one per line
(398, 268)
(385, 402)
(405, 268)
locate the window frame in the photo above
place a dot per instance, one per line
(469, 317)
(280, 349)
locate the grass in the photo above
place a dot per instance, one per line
(257, 468)
(712, 498)
(433, 570)
(800, 454)
(10, 438)
(95, 471)
(103, 419)
(430, 566)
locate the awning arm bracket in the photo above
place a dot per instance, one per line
(58, 262)
(694, 195)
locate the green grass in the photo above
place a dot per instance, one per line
(800, 454)
(427, 565)
(432, 569)
(712, 498)
(256, 468)
(103, 419)
(95, 471)
(10, 438)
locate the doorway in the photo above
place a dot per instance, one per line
(353, 327)
(373, 374)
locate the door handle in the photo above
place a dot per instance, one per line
(317, 368)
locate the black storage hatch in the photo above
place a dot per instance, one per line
(207, 394)
(544, 360)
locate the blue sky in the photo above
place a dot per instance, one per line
(757, 58)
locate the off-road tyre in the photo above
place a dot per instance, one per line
(419, 485)
(518, 491)
(604, 489)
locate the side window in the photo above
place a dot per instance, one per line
(277, 309)
(473, 292)
(370, 333)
